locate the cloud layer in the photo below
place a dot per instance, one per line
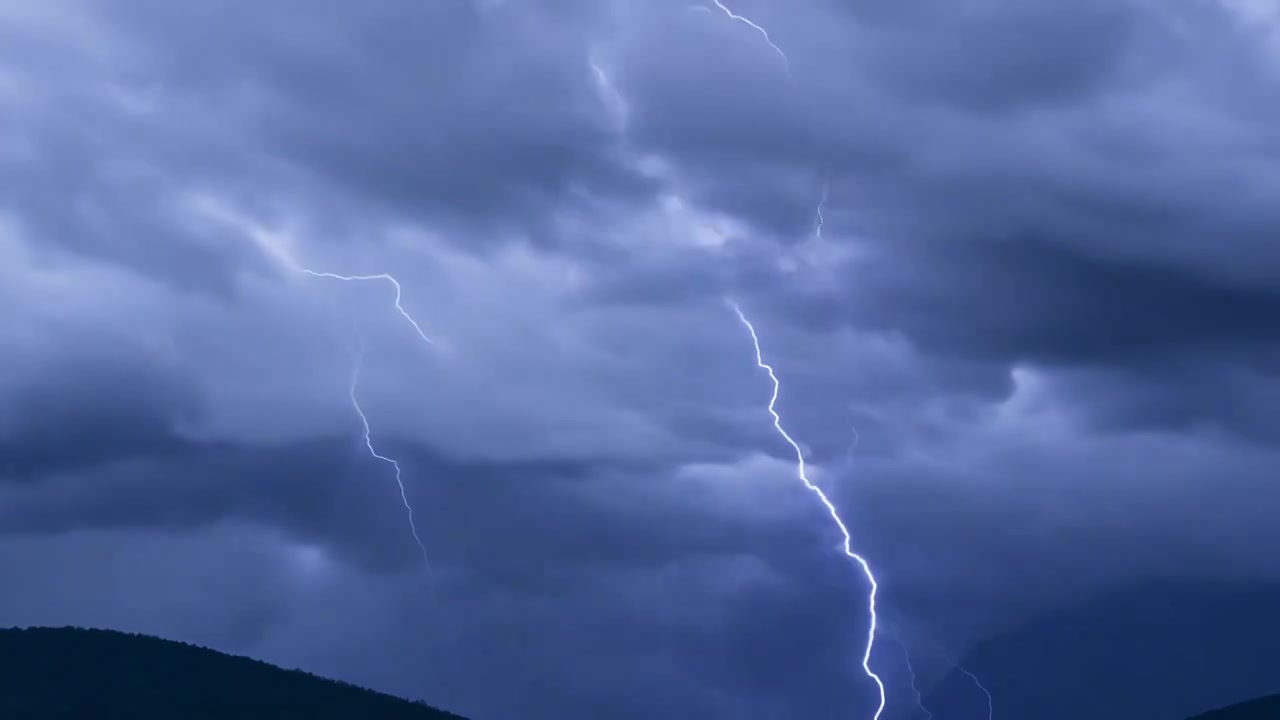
(1032, 337)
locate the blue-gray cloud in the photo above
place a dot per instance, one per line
(1033, 341)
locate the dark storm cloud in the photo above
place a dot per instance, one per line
(1096, 169)
(229, 571)
(1096, 193)
(1023, 301)
(565, 518)
(1028, 345)
(1049, 54)
(1194, 394)
(458, 113)
(263, 103)
(76, 415)
(316, 490)
(91, 154)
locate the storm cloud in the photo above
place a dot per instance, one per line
(1015, 265)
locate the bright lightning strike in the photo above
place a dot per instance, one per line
(368, 443)
(786, 62)
(802, 473)
(985, 691)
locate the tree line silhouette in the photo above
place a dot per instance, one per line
(75, 674)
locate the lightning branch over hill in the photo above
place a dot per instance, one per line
(355, 382)
(277, 246)
(288, 260)
(802, 473)
(368, 443)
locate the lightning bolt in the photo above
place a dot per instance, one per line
(802, 473)
(368, 443)
(985, 691)
(786, 62)
(606, 86)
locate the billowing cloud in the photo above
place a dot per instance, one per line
(1032, 340)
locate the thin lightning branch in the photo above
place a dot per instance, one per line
(277, 247)
(368, 443)
(786, 62)
(906, 655)
(857, 440)
(951, 662)
(826, 189)
(379, 276)
(985, 691)
(802, 473)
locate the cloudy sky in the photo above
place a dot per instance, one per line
(1015, 265)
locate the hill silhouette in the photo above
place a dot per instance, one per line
(1263, 708)
(66, 673)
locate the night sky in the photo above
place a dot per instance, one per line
(1016, 264)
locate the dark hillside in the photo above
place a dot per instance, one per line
(1264, 708)
(69, 673)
